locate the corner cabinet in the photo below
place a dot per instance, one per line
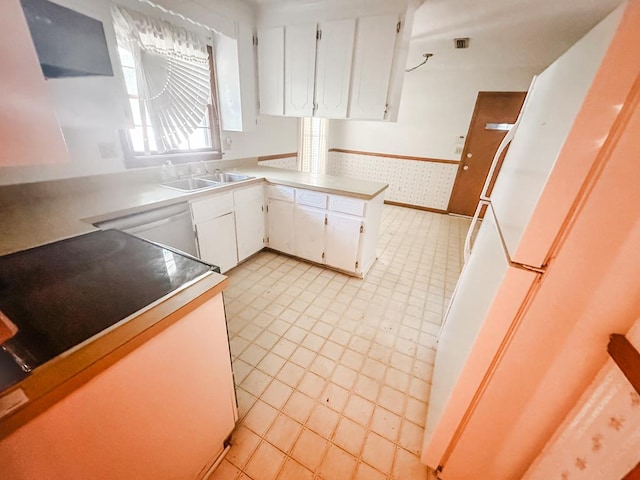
(332, 230)
(333, 69)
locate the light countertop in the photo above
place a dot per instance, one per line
(39, 213)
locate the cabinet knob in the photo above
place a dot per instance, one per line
(466, 167)
(469, 155)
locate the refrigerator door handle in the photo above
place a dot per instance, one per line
(503, 145)
(472, 227)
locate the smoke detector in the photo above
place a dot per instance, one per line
(461, 42)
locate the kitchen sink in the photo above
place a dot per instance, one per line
(191, 184)
(225, 177)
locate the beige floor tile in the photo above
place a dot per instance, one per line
(277, 394)
(322, 420)
(256, 382)
(225, 471)
(350, 436)
(359, 409)
(411, 436)
(260, 417)
(245, 401)
(283, 432)
(378, 452)
(341, 348)
(332, 350)
(298, 407)
(337, 465)
(292, 470)
(265, 462)
(416, 411)
(344, 376)
(284, 348)
(312, 385)
(303, 357)
(322, 366)
(291, 374)
(271, 364)
(392, 399)
(365, 472)
(309, 449)
(243, 444)
(406, 465)
(385, 423)
(334, 397)
(367, 387)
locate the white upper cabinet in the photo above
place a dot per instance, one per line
(271, 70)
(372, 60)
(299, 69)
(349, 67)
(333, 67)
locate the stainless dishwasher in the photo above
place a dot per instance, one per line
(170, 226)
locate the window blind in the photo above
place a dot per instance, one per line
(172, 65)
(313, 144)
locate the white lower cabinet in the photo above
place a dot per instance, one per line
(309, 234)
(280, 225)
(342, 236)
(249, 216)
(333, 230)
(217, 241)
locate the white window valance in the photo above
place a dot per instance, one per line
(172, 66)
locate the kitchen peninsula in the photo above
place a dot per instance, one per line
(43, 212)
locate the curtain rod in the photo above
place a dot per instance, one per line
(179, 15)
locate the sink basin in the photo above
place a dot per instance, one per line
(191, 184)
(226, 177)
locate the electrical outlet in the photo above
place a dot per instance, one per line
(107, 150)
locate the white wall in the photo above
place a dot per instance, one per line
(272, 136)
(85, 138)
(435, 108)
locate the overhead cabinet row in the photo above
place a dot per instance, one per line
(332, 69)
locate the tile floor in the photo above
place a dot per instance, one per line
(333, 372)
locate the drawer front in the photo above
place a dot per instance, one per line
(211, 207)
(311, 198)
(248, 195)
(280, 192)
(348, 205)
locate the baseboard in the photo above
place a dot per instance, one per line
(416, 207)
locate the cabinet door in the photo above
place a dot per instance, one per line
(309, 233)
(333, 68)
(271, 70)
(249, 228)
(280, 226)
(299, 69)
(343, 241)
(217, 241)
(372, 59)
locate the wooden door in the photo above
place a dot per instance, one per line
(492, 111)
(299, 69)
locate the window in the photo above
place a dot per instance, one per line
(170, 83)
(313, 144)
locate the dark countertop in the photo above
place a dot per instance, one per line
(64, 293)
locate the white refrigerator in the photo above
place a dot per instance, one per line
(552, 157)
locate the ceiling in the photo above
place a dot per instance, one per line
(509, 33)
(503, 33)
